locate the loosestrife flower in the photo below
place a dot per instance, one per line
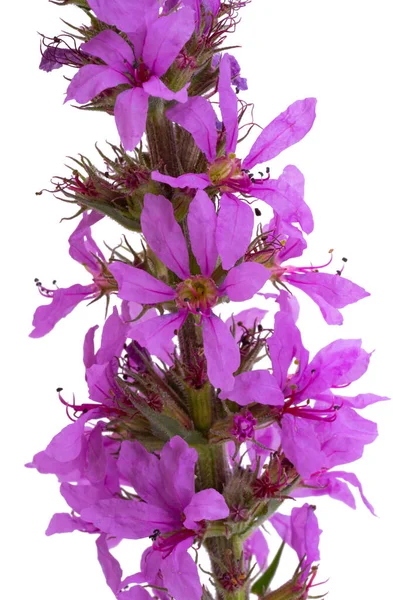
(195, 294)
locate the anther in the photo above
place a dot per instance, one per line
(257, 212)
(344, 259)
(58, 390)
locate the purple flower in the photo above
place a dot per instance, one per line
(240, 83)
(228, 173)
(54, 57)
(195, 294)
(243, 426)
(84, 250)
(139, 65)
(327, 432)
(169, 511)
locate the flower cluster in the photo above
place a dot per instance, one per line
(197, 426)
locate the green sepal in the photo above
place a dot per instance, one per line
(262, 584)
(165, 427)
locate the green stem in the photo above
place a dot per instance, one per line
(161, 139)
(201, 407)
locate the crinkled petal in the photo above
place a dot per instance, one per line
(109, 565)
(361, 400)
(285, 130)
(197, 116)
(285, 345)
(338, 363)
(88, 347)
(155, 87)
(244, 281)
(130, 116)
(91, 80)
(64, 300)
(301, 445)
(127, 15)
(156, 334)
(180, 574)
(165, 38)
(221, 351)
(164, 235)
(228, 104)
(286, 196)
(127, 519)
(353, 480)
(206, 505)
(83, 248)
(177, 465)
(255, 386)
(191, 180)
(114, 334)
(67, 444)
(256, 545)
(111, 48)
(66, 523)
(202, 223)
(135, 593)
(139, 286)
(234, 229)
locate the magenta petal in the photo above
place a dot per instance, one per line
(255, 386)
(362, 400)
(256, 545)
(157, 333)
(130, 116)
(334, 289)
(285, 130)
(202, 223)
(128, 519)
(64, 300)
(164, 235)
(64, 523)
(109, 565)
(228, 104)
(191, 180)
(127, 15)
(206, 505)
(285, 345)
(139, 286)
(88, 347)
(165, 38)
(221, 351)
(353, 480)
(111, 48)
(301, 446)
(135, 593)
(91, 80)
(67, 444)
(197, 116)
(245, 280)
(234, 229)
(180, 574)
(155, 87)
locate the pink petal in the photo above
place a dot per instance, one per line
(91, 80)
(127, 15)
(88, 347)
(164, 235)
(111, 48)
(135, 593)
(234, 229)
(165, 38)
(206, 505)
(285, 130)
(190, 180)
(202, 223)
(130, 116)
(180, 574)
(156, 334)
(228, 104)
(245, 280)
(197, 116)
(139, 286)
(64, 300)
(109, 565)
(155, 87)
(255, 386)
(221, 351)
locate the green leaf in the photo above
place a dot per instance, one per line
(263, 583)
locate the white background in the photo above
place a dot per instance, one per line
(340, 52)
